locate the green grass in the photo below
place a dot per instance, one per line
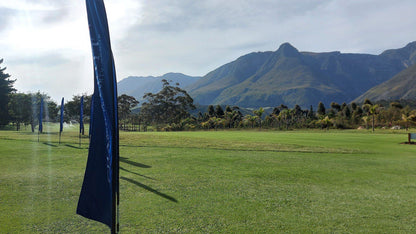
(211, 182)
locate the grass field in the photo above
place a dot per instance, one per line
(217, 182)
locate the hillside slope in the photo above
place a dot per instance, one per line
(287, 76)
(137, 86)
(401, 86)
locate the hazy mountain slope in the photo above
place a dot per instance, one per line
(401, 86)
(406, 55)
(138, 86)
(291, 77)
(285, 77)
(226, 76)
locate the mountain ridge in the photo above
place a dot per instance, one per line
(401, 86)
(287, 76)
(137, 86)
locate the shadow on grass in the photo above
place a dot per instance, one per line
(149, 189)
(71, 146)
(147, 177)
(136, 164)
(49, 144)
(36, 133)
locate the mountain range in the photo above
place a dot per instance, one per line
(288, 76)
(401, 86)
(137, 86)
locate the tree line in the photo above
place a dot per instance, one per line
(336, 116)
(23, 109)
(169, 110)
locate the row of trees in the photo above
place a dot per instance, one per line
(170, 109)
(23, 108)
(6, 88)
(343, 116)
(171, 113)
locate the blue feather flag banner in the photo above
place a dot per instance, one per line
(61, 126)
(99, 196)
(81, 116)
(41, 115)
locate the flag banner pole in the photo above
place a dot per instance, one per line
(100, 189)
(81, 116)
(81, 119)
(61, 122)
(40, 129)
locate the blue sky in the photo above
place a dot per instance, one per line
(45, 43)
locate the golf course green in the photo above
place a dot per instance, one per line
(258, 181)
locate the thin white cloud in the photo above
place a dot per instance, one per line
(47, 42)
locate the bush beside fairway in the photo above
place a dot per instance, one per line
(210, 182)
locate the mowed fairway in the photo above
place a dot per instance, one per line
(217, 182)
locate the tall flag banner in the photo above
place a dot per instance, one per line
(99, 196)
(81, 116)
(40, 116)
(61, 125)
(40, 129)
